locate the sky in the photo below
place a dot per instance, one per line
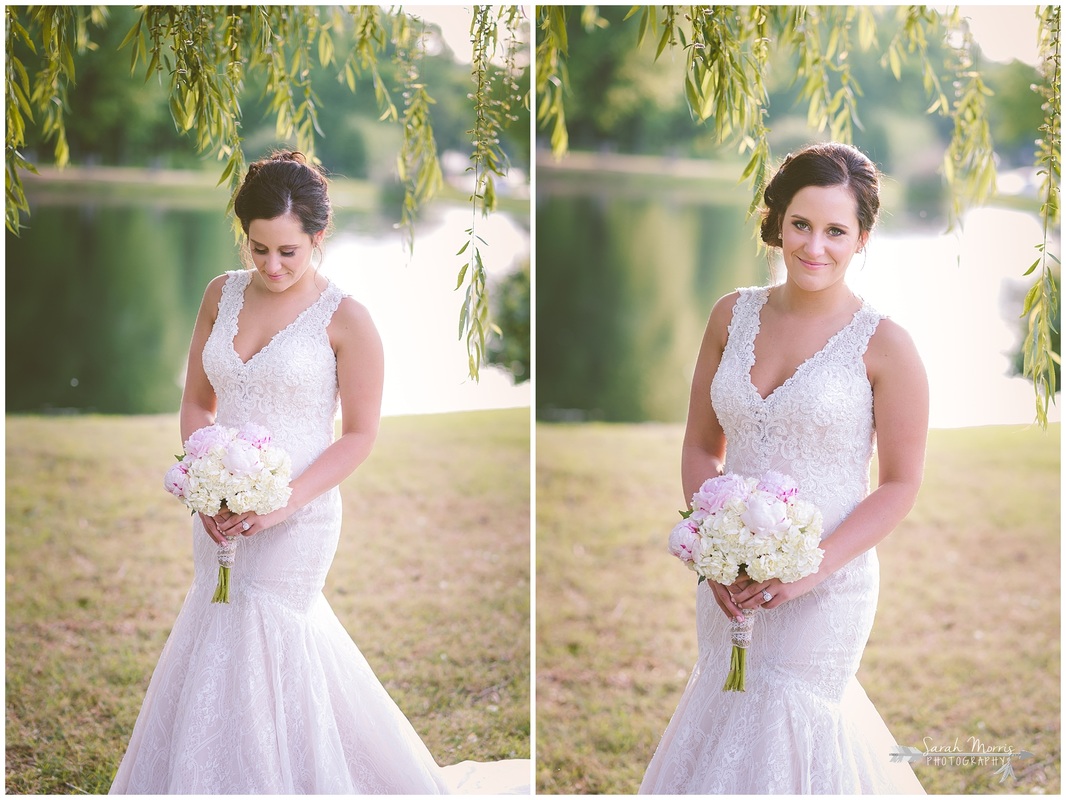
(1004, 32)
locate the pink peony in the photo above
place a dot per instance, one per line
(765, 515)
(716, 492)
(176, 480)
(200, 442)
(256, 435)
(242, 458)
(783, 487)
(684, 540)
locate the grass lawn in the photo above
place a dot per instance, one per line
(966, 642)
(431, 578)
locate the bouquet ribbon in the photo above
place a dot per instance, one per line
(226, 553)
(740, 633)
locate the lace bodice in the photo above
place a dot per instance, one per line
(817, 426)
(290, 386)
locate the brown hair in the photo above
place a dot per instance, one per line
(284, 183)
(828, 164)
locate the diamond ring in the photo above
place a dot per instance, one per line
(767, 597)
(246, 526)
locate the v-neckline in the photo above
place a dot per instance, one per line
(278, 333)
(803, 364)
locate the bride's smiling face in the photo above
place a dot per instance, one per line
(280, 251)
(820, 233)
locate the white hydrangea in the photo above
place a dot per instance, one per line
(759, 526)
(242, 469)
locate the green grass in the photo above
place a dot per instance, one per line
(966, 641)
(431, 578)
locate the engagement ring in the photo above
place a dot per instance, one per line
(767, 597)
(246, 526)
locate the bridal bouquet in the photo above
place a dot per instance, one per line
(756, 525)
(240, 469)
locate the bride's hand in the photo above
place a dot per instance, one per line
(211, 525)
(250, 523)
(722, 596)
(750, 595)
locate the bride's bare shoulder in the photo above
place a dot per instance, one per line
(891, 351)
(721, 316)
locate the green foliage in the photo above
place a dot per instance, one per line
(510, 349)
(208, 57)
(1041, 357)
(496, 101)
(969, 164)
(552, 79)
(63, 32)
(417, 165)
(727, 70)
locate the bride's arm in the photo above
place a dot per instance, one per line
(703, 450)
(198, 401)
(360, 375)
(901, 418)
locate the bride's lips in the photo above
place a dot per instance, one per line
(812, 264)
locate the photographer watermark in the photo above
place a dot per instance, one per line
(976, 753)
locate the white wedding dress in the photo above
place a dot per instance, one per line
(804, 725)
(269, 694)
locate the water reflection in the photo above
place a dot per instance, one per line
(101, 300)
(100, 304)
(624, 286)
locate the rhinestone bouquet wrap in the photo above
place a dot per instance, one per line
(237, 468)
(758, 526)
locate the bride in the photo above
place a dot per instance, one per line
(801, 378)
(269, 694)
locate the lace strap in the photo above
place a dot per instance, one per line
(744, 325)
(320, 314)
(854, 340)
(232, 299)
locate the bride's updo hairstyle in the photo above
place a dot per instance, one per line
(284, 183)
(829, 164)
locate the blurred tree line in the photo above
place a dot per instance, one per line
(116, 119)
(623, 99)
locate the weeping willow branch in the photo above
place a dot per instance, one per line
(496, 99)
(1039, 358)
(417, 163)
(62, 33)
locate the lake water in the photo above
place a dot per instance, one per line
(101, 299)
(626, 278)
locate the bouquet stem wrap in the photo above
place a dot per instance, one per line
(740, 633)
(226, 553)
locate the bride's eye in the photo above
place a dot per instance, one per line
(290, 254)
(836, 232)
(799, 225)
